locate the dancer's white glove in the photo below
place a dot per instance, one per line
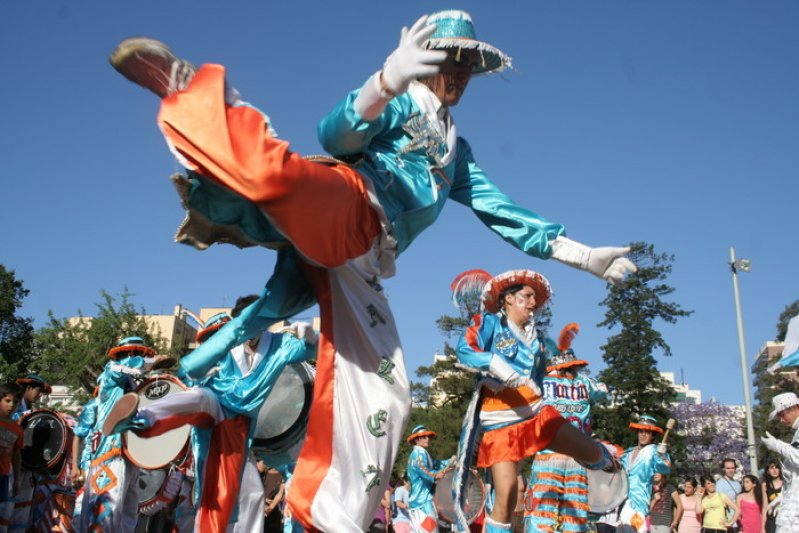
(505, 374)
(662, 448)
(607, 262)
(771, 442)
(407, 63)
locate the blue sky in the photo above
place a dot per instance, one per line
(674, 123)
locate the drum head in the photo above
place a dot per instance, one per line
(606, 490)
(284, 413)
(157, 452)
(475, 497)
(44, 439)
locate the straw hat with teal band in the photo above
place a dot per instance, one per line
(455, 31)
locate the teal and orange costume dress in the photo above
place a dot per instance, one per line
(557, 494)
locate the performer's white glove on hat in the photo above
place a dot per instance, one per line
(505, 374)
(662, 448)
(607, 262)
(407, 63)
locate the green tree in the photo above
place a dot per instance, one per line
(16, 333)
(631, 374)
(67, 347)
(790, 311)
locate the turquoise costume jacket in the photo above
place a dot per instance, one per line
(114, 381)
(489, 334)
(640, 472)
(402, 152)
(421, 471)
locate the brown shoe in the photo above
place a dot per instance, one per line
(152, 65)
(121, 415)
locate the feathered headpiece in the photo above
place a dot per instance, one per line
(468, 286)
(565, 358)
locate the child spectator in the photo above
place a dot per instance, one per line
(10, 451)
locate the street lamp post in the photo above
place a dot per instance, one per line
(744, 265)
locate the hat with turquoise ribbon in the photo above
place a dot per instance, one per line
(130, 346)
(455, 31)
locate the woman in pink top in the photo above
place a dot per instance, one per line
(690, 503)
(750, 506)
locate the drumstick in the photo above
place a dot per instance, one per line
(669, 426)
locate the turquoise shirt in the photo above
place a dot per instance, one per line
(640, 473)
(421, 472)
(400, 148)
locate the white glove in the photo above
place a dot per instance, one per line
(770, 442)
(305, 332)
(504, 373)
(662, 448)
(410, 61)
(607, 262)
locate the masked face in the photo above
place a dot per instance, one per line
(520, 305)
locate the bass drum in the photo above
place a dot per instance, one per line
(606, 490)
(46, 440)
(166, 449)
(282, 419)
(475, 497)
(158, 489)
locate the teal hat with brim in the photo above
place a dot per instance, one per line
(455, 31)
(130, 346)
(35, 380)
(420, 431)
(212, 325)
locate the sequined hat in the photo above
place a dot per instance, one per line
(455, 31)
(781, 402)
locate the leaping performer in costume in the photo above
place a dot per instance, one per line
(557, 495)
(642, 462)
(227, 403)
(510, 410)
(423, 472)
(345, 226)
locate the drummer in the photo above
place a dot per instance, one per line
(110, 493)
(228, 402)
(33, 386)
(503, 341)
(642, 462)
(558, 488)
(423, 472)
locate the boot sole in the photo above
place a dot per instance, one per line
(125, 408)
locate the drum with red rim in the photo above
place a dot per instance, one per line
(163, 450)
